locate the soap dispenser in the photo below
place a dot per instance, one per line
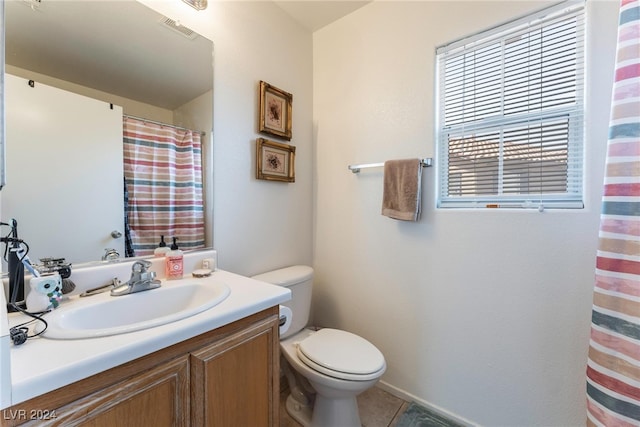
(162, 248)
(174, 262)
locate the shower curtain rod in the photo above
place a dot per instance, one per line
(202, 133)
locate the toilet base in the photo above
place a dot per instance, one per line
(300, 413)
(335, 412)
(325, 412)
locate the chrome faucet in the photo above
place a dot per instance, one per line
(141, 280)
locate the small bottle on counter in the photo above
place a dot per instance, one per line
(174, 262)
(162, 248)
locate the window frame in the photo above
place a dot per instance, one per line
(573, 196)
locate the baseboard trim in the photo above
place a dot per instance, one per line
(411, 398)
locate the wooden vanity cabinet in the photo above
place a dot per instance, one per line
(225, 377)
(232, 380)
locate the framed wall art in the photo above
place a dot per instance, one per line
(275, 161)
(275, 111)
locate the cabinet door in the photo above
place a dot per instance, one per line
(235, 381)
(158, 397)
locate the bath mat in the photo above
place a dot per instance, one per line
(418, 416)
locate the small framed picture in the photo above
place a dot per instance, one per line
(275, 161)
(275, 111)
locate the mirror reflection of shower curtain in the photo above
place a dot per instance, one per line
(163, 178)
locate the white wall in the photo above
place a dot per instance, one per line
(258, 225)
(484, 314)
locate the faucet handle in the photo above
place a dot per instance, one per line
(141, 279)
(148, 276)
(140, 266)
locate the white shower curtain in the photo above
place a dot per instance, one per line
(613, 368)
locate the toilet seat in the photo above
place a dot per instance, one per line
(342, 355)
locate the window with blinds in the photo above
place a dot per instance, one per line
(511, 108)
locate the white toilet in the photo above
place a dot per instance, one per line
(330, 367)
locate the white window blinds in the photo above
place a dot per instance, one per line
(511, 104)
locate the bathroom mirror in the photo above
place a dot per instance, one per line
(2, 138)
(117, 52)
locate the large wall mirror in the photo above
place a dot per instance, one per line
(64, 171)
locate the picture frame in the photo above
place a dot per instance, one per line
(275, 161)
(275, 111)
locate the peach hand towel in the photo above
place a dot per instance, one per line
(402, 188)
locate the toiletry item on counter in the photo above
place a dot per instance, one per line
(45, 294)
(201, 272)
(209, 263)
(162, 248)
(62, 267)
(15, 269)
(174, 262)
(208, 267)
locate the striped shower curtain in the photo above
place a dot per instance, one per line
(613, 368)
(163, 179)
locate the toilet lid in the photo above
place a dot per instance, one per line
(341, 354)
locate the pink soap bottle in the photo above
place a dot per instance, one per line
(174, 262)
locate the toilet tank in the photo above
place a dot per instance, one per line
(298, 279)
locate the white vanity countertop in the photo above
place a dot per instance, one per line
(42, 365)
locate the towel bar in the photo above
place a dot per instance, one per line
(426, 162)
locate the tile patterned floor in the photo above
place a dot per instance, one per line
(377, 409)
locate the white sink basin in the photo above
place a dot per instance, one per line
(102, 315)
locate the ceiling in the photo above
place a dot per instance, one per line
(314, 14)
(120, 47)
